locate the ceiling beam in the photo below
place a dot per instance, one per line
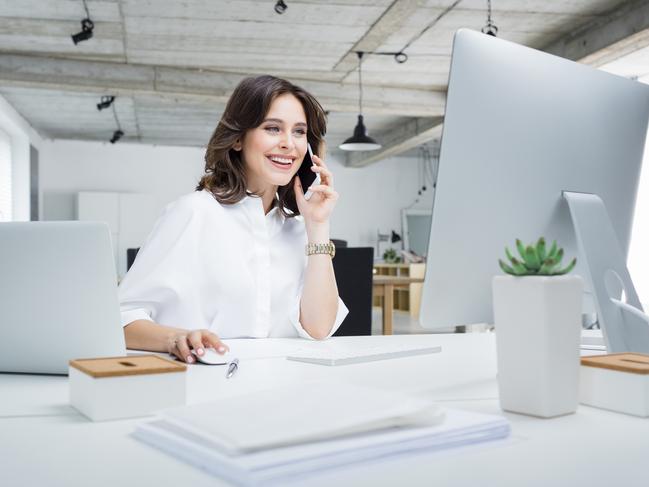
(402, 137)
(622, 31)
(202, 85)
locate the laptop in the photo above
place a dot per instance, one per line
(58, 296)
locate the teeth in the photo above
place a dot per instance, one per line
(281, 160)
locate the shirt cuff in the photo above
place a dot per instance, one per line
(134, 314)
(341, 314)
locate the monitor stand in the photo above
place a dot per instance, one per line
(624, 324)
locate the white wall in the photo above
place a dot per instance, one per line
(371, 197)
(21, 135)
(68, 167)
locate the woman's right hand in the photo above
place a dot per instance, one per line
(182, 343)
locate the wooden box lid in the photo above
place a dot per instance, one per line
(635, 363)
(122, 366)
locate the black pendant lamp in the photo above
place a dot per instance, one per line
(360, 141)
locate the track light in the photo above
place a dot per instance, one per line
(280, 7)
(86, 27)
(118, 134)
(106, 101)
(86, 31)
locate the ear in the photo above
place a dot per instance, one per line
(237, 145)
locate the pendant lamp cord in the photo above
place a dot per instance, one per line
(360, 82)
(85, 6)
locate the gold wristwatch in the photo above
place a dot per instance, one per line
(321, 248)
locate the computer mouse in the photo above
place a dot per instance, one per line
(212, 357)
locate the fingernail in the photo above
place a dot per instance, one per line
(221, 349)
(200, 351)
(190, 359)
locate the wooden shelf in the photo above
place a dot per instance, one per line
(404, 299)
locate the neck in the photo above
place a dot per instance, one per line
(267, 196)
(267, 199)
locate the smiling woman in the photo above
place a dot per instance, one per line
(262, 110)
(245, 255)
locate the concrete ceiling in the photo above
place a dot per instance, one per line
(172, 64)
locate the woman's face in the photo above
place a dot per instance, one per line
(274, 151)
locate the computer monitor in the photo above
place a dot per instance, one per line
(521, 127)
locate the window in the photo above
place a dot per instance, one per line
(5, 177)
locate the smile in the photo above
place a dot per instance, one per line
(284, 162)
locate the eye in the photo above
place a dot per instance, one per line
(300, 132)
(272, 129)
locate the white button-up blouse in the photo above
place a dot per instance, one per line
(227, 268)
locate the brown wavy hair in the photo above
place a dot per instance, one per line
(246, 109)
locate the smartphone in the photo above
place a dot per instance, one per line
(306, 175)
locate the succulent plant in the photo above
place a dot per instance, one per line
(536, 260)
(390, 256)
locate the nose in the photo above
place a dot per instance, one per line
(286, 142)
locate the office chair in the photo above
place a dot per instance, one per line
(130, 257)
(353, 268)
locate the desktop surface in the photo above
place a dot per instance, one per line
(49, 443)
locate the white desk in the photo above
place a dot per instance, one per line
(45, 442)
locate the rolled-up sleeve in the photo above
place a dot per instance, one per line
(341, 314)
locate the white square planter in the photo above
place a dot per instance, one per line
(538, 329)
(123, 387)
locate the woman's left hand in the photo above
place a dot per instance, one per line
(318, 208)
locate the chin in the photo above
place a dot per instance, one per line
(281, 179)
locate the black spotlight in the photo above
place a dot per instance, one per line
(105, 102)
(280, 7)
(401, 57)
(118, 134)
(86, 31)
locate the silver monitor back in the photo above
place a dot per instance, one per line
(521, 126)
(58, 296)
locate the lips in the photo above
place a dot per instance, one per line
(281, 162)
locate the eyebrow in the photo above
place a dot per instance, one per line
(277, 120)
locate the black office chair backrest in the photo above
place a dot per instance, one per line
(353, 268)
(130, 257)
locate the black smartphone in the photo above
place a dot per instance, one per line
(306, 175)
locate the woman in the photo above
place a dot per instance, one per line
(229, 259)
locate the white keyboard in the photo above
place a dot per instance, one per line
(345, 357)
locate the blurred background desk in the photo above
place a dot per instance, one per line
(384, 286)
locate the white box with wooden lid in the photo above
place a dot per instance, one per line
(618, 382)
(123, 387)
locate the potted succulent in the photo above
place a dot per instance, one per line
(390, 256)
(537, 315)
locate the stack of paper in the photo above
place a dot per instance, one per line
(272, 436)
